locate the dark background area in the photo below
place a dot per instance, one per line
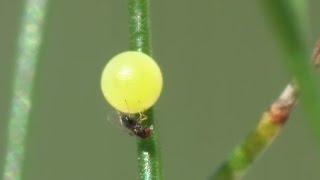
(222, 68)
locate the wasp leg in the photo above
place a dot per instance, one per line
(142, 117)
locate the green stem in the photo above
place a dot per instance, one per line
(29, 44)
(244, 155)
(259, 139)
(149, 163)
(290, 23)
(290, 20)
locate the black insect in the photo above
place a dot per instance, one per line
(133, 122)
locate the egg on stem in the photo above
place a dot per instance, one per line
(131, 82)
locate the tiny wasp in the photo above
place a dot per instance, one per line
(133, 123)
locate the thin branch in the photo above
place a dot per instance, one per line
(259, 140)
(29, 45)
(290, 22)
(148, 150)
(292, 36)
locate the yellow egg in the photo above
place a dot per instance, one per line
(131, 82)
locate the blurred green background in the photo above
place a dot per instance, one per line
(222, 68)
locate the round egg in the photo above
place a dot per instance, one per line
(131, 82)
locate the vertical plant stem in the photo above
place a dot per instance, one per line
(27, 58)
(148, 150)
(259, 140)
(289, 20)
